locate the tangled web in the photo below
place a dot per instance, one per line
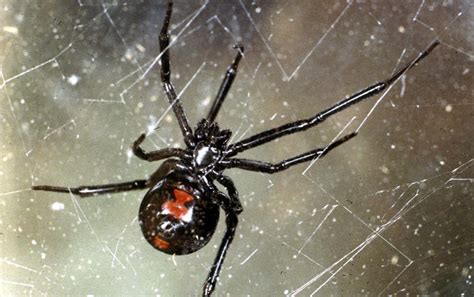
(388, 213)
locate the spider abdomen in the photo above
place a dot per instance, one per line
(177, 218)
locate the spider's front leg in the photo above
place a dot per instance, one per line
(87, 191)
(226, 84)
(260, 166)
(139, 184)
(166, 79)
(301, 125)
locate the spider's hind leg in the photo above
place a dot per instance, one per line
(231, 221)
(232, 207)
(233, 198)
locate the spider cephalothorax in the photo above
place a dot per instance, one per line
(210, 143)
(180, 211)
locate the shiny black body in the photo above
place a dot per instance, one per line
(197, 217)
(180, 211)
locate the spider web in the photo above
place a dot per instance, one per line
(388, 213)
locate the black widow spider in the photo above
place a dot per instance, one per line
(180, 211)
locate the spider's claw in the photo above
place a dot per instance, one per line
(208, 289)
(232, 70)
(341, 140)
(139, 140)
(348, 136)
(240, 47)
(137, 150)
(237, 207)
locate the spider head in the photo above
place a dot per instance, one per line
(211, 134)
(211, 142)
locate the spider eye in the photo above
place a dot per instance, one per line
(201, 130)
(223, 137)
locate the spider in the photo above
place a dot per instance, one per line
(180, 212)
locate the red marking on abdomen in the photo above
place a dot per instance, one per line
(177, 208)
(160, 243)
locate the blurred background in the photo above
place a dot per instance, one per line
(388, 213)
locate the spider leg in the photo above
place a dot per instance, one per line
(255, 165)
(165, 79)
(234, 202)
(302, 125)
(226, 84)
(231, 209)
(139, 184)
(87, 191)
(231, 225)
(155, 155)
